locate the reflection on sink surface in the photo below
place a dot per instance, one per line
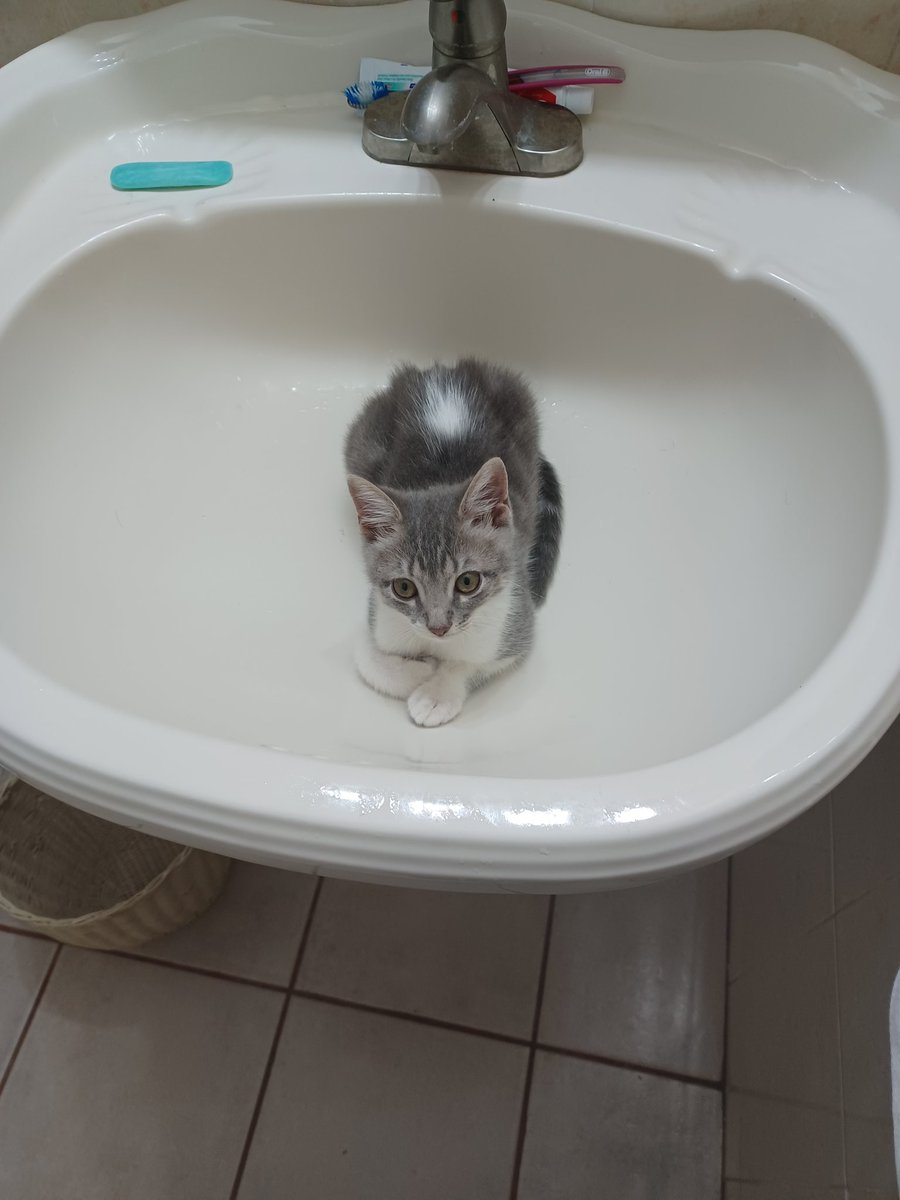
(186, 391)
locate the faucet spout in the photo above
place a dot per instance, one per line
(443, 105)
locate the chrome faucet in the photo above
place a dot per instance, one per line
(471, 30)
(462, 115)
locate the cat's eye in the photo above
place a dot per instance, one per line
(404, 589)
(468, 582)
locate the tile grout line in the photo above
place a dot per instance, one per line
(803, 932)
(209, 972)
(276, 1041)
(728, 917)
(411, 1018)
(24, 931)
(395, 1013)
(542, 977)
(507, 1038)
(620, 1064)
(812, 1106)
(832, 865)
(532, 1054)
(890, 880)
(840, 1053)
(837, 991)
(20, 1041)
(401, 1015)
(835, 908)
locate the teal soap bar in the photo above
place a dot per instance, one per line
(156, 176)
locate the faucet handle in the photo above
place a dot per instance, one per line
(443, 104)
(468, 30)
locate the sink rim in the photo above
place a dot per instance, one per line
(363, 822)
(379, 821)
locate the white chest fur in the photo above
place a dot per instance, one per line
(479, 644)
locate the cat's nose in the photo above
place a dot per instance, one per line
(438, 630)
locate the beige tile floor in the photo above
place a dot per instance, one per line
(334, 1041)
(814, 940)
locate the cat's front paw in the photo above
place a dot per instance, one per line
(390, 674)
(437, 701)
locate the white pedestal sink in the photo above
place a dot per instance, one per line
(707, 310)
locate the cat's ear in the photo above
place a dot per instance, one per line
(379, 516)
(486, 501)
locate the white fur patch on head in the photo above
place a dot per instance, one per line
(445, 409)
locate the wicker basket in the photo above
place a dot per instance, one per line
(87, 882)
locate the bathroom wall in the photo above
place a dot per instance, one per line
(25, 24)
(814, 949)
(867, 28)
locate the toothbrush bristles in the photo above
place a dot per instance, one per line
(361, 95)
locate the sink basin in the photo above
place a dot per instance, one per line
(705, 310)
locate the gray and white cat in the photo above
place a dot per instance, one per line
(461, 520)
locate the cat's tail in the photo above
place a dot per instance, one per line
(548, 531)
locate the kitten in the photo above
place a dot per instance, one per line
(461, 520)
